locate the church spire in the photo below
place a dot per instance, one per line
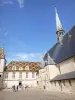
(59, 28)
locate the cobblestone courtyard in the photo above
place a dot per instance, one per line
(35, 94)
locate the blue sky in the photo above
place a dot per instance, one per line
(28, 28)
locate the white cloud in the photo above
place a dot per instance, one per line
(27, 56)
(8, 2)
(21, 3)
(6, 34)
(24, 57)
(5, 2)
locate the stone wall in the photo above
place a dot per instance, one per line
(51, 71)
(67, 66)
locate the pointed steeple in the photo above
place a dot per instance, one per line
(59, 28)
(58, 23)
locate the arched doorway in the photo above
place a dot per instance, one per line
(20, 83)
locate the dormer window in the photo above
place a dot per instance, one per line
(14, 68)
(27, 68)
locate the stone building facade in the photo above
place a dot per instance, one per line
(57, 71)
(20, 73)
(17, 73)
(54, 78)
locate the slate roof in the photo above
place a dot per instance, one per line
(62, 52)
(70, 75)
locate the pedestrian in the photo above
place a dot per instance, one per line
(17, 88)
(14, 88)
(22, 87)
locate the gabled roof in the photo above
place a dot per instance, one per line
(66, 76)
(62, 52)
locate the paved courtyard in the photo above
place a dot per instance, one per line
(35, 94)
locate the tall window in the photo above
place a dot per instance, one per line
(13, 75)
(6, 75)
(20, 74)
(33, 75)
(26, 74)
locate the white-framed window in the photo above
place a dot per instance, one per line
(13, 74)
(26, 74)
(14, 67)
(20, 74)
(6, 75)
(33, 74)
(26, 67)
